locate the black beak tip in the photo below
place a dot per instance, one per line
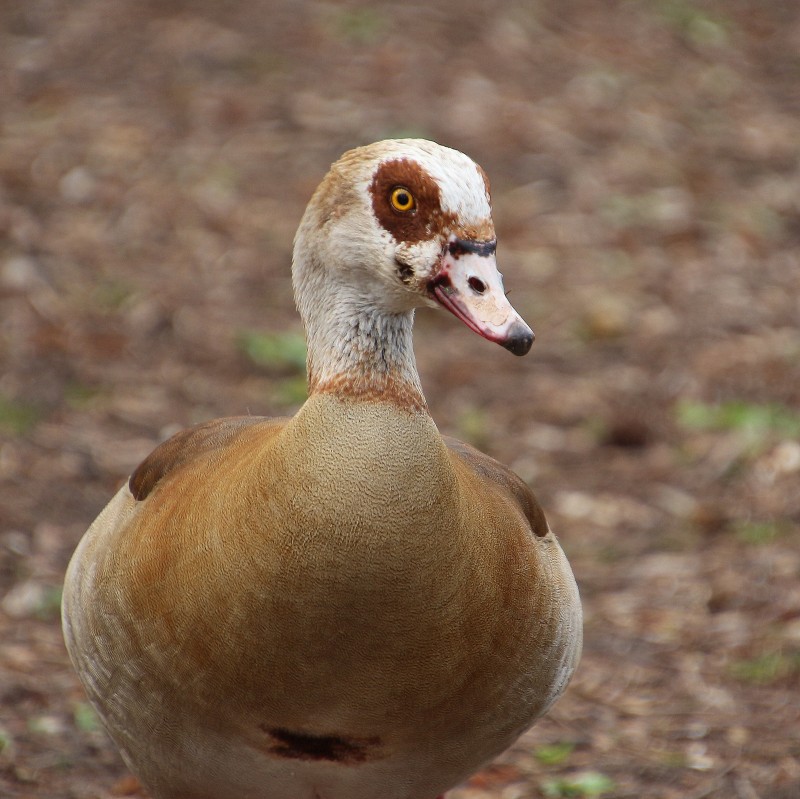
(520, 340)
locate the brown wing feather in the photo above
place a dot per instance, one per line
(184, 447)
(502, 476)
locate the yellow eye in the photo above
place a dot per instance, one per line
(402, 199)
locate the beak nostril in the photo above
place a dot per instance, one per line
(477, 285)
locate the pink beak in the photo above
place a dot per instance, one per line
(470, 287)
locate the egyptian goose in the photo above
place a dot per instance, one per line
(344, 604)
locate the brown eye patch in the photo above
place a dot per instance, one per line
(427, 218)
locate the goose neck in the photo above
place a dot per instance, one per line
(359, 351)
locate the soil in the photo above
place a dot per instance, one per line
(155, 158)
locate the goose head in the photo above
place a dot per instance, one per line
(394, 226)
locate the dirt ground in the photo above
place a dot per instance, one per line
(155, 158)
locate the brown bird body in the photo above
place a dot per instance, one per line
(344, 604)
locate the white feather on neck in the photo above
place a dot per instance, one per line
(355, 346)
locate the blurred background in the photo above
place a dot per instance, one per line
(155, 158)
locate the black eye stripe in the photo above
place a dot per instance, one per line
(462, 247)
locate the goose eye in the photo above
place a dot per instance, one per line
(402, 200)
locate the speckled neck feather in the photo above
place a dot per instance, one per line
(366, 355)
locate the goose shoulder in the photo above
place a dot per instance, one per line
(493, 474)
(187, 446)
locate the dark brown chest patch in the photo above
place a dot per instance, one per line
(335, 748)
